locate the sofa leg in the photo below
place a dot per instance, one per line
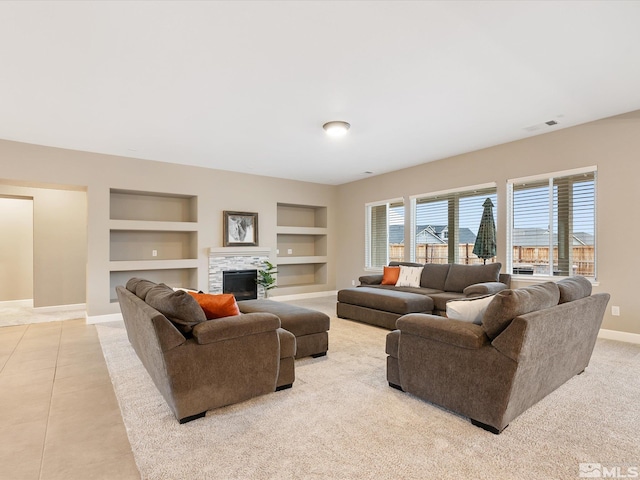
(284, 387)
(486, 427)
(318, 355)
(397, 387)
(581, 372)
(192, 417)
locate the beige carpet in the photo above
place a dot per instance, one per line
(341, 421)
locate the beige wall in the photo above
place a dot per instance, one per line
(29, 165)
(16, 248)
(60, 247)
(59, 243)
(612, 144)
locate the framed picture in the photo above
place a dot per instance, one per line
(240, 229)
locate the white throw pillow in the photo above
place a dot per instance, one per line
(409, 276)
(469, 309)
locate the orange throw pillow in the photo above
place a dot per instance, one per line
(218, 305)
(390, 275)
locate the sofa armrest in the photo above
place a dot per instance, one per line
(242, 325)
(486, 288)
(370, 280)
(442, 329)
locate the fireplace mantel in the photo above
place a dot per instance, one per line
(239, 252)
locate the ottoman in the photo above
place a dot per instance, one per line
(310, 327)
(379, 306)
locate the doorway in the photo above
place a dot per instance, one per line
(16, 249)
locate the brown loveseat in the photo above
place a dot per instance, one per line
(530, 342)
(199, 364)
(377, 304)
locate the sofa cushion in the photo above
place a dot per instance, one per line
(406, 264)
(461, 276)
(143, 288)
(418, 290)
(482, 289)
(409, 276)
(574, 288)
(140, 286)
(370, 279)
(468, 309)
(179, 307)
(434, 275)
(216, 306)
(131, 284)
(393, 301)
(508, 304)
(440, 299)
(440, 329)
(390, 275)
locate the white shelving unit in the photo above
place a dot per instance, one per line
(152, 235)
(302, 246)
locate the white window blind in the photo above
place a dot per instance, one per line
(446, 225)
(384, 233)
(552, 225)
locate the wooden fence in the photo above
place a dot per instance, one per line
(526, 260)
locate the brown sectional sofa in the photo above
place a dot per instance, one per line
(199, 364)
(381, 305)
(531, 341)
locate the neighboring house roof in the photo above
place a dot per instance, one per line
(526, 237)
(430, 234)
(539, 237)
(396, 234)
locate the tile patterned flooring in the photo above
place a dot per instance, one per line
(59, 417)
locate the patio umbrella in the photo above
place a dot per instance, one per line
(485, 246)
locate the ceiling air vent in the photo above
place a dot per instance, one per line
(533, 128)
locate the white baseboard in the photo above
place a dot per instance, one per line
(112, 317)
(17, 303)
(302, 296)
(620, 336)
(61, 308)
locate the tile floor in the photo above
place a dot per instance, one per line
(59, 417)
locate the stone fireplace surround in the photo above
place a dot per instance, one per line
(235, 258)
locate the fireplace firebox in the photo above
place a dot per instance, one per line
(241, 283)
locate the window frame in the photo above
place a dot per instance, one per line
(368, 234)
(510, 221)
(413, 200)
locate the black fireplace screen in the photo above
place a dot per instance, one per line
(241, 283)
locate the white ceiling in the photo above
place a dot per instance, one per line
(247, 86)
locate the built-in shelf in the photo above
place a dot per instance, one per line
(302, 246)
(302, 274)
(153, 225)
(153, 235)
(123, 266)
(185, 277)
(152, 206)
(301, 260)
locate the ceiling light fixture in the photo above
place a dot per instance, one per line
(336, 128)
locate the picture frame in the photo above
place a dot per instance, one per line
(240, 229)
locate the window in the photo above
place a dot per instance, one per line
(385, 233)
(446, 224)
(552, 224)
